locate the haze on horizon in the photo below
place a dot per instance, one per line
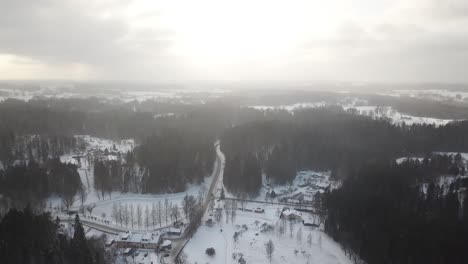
(338, 40)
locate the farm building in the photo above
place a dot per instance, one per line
(138, 240)
(290, 214)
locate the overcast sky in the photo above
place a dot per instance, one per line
(335, 40)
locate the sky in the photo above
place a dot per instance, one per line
(241, 40)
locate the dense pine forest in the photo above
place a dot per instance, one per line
(26, 237)
(326, 139)
(31, 182)
(390, 213)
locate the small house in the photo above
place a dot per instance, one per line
(291, 215)
(174, 232)
(166, 245)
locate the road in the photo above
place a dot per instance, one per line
(294, 205)
(101, 227)
(217, 172)
(219, 168)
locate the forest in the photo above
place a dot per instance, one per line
(27, 237)
(32, 182)
(398, 213)
(327, 139)
(385, 212)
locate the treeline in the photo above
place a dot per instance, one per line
(164, 162)
(30, 181)
(116, 121)
(326, 139)
(386, 214)
(116, 175)
(29, 238)
(35, 147)
(173, 159)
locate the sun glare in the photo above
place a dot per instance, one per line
(219, 32)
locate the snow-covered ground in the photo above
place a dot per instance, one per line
(306, 182)
(442, 180)
(297, 244)
(394, 116)
(291, 107)
(93, 147)
(432, 94)
(360, 107)
(304, 244)
(123, 95)
(103, 206)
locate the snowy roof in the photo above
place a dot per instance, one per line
(125, 236)
(146, 236)
(136, 237)
(175, 230)
(166, 243)
(289, 212)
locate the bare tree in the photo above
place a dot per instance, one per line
(153, 215)
(159, 213)
(68, 200)
(115, 213)
(227, 210)
(121, 212)
(169, 208)
(233, 211)
(282, 226)
(139, 215)
(126, 215)
(309, 239)
(269, 248)
(201, 194)
(188, 205)
(166, 204)
(319, 242)
(299, 235)
(132, 215)
(175, 212)
(291, 229)
(83, 194)
(218, 215)
(147, 217)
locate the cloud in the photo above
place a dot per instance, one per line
(78, 32)
(338, 40)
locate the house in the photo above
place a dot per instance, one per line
(308, 199)
(138, 240)
(166, 245)
(128, 251)
(291, 215)
(109, 242)
(307, 223)
(174, 232)
(125, 236)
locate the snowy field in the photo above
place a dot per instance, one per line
(295, 244)
(103, 206)
(432, 94)
(351, 105)
(123, 95)
(443, 180)
(394, 116)
(289, 108)
(93, 147)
